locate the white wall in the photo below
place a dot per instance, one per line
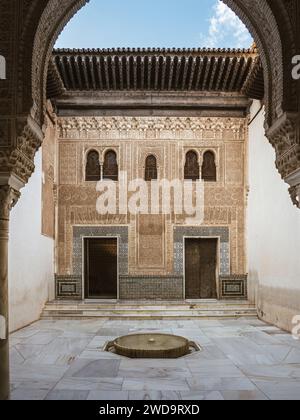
(273, 233)
(30, 256)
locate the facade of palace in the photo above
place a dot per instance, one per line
(38, 259)
(155, 115)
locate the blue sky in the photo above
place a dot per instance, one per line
(154, 23)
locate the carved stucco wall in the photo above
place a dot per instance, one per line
(151, 243)
(48, 177)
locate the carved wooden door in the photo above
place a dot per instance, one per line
(200, 268)
(101, 269)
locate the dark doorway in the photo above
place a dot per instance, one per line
(101, 268)
(200, 268)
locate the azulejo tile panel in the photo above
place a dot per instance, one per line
(182, 232)
(234, 286)
(68, 287)
(147, 287)
(80, 232)
(151, 287)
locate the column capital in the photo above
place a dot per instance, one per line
(284, 136)
(8, 199)
(295, 195)
(24, 138)
(294, 181)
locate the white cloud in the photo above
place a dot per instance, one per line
(226, 29)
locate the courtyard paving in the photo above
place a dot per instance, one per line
(241, 359)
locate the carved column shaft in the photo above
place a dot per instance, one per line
(8, 198)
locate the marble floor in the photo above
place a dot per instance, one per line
(242, 359)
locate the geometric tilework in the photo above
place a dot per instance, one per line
(233, 287)
(151, 288)
(68, 287)
(80, 232)
(147, 287)
(180, 232)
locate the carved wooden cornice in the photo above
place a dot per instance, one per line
(154, 69)
(254, 87)
(55, 86)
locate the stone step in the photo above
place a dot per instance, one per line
(57, 310)
(61, 305)
(124, 317)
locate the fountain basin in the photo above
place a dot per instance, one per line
(152, 346)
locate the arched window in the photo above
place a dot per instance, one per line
(92, 170)
(151, 172)
(192, 167)
(110, 167)
(209, 169)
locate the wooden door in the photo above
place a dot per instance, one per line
(101, 268)
(200, 268)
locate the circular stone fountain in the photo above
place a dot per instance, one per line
(152, 346)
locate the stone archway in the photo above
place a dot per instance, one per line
(257, 16)
(28, 30)
(272, 24)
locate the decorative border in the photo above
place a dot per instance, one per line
(234, 286)
(146, 128)
(68, 287)
(182, 232)
(80, 232)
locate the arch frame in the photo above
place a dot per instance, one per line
(27, 45)
(211, 151)
(157, 166)
(105, 152)
(198, 154)
(85, 163)
(111, 149)
(274, 26)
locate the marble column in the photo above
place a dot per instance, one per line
(8, 197)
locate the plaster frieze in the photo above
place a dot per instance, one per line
(149, 127)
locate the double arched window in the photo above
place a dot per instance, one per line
(151, 172)
(192, 167)
(93, 169)
(110, 167)
(209, 168)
